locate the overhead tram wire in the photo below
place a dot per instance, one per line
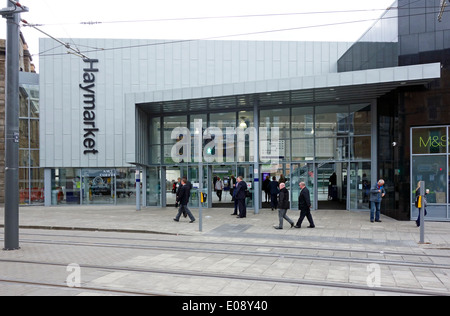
(70, 49)
(94, 23)
(170, 42)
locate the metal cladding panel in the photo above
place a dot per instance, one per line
(75, 133)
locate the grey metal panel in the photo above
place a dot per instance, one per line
(152, 65)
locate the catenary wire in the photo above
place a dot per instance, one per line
(162, 42)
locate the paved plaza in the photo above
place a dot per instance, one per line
(122, 251)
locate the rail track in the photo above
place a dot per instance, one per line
(404, 259)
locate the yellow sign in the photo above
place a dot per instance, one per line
(419, 202)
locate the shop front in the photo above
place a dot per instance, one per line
(430, 163)
(90, 186)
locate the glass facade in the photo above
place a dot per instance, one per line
(31, 177)
(309, 138)
(430, 163)
(378, 47)
(115, 186)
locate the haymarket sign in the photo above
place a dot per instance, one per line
(90, 129)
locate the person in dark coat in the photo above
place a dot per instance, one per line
(304, 205)
(284, 205)
(240, 196)
(274, 191)
(183, 196)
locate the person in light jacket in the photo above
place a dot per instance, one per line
(283, 206)
(377, 194)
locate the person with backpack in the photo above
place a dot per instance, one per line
(283, 206)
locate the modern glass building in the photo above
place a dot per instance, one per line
(337, 116)
(31, 176)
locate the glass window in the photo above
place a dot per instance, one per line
(23, 105)
(126, 186)
(168, 154)
(24, 158)
(98, 186)
(155, 154)
(331, 120)
(429, 140)
(202, 117)
(360, 185)
(223, 120)
(432, 170)
(335, 148)
(361, 147)
(303, 149)
(170, 123)
(23, 132)
(24, 186)
(34, 158)
(153, 187)
(277, 118)
(360, 119)
(34, 134)
(66, 186)
(302, 122)
(155, 131)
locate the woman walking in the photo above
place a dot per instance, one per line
(284, 205)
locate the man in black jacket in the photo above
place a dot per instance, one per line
(304, 205)
(241, 189)
(183, 196)
(284, 205)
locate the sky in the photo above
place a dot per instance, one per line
(292, 20)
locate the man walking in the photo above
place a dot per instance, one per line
(376, 196)
(240, 195)
(304, 205)
(284, 205)
(219, 188)
(183, 198)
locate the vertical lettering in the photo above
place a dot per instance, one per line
(88, 113)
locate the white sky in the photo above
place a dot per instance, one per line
(62, 19)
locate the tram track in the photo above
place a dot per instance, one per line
(235, 277)
(82, 289)
(263, 245)
(172, 244)
(258, 253)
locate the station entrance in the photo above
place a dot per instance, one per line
(218, 183)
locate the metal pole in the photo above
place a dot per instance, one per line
(12, 133)
(200, 208)
(138, 188)
(256, 170)
(422, 212)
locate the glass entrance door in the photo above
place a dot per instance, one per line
(172, 183)
(360, 185)
(221, 185)
(332, 185)
(301, 172)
